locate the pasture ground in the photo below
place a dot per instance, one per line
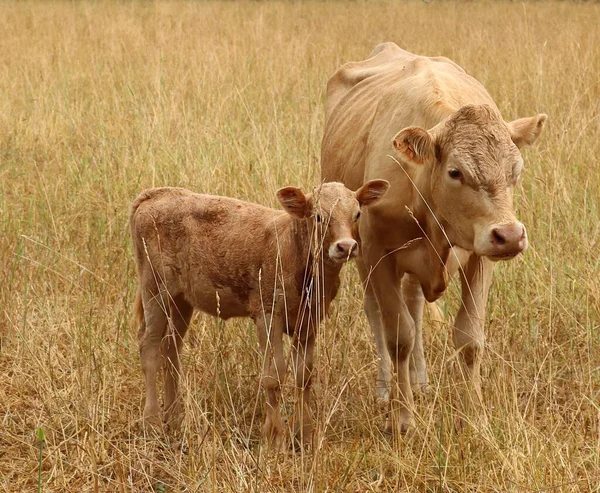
(101, 100)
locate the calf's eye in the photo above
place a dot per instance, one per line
(455, 174)
(318, 218)
(357, 216)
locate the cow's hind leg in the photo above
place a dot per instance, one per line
(151, 333)
(181, 313)
(371, 307)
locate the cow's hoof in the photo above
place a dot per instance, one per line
(152, 418)
(405, 427)
(383, 397)
(420, 388)
(173, 421)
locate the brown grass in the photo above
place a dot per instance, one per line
(98, 101)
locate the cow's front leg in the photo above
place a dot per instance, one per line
(415, 301)
(270, 335)
(469, 335)
(399, 333)
(302, 358)
(384, 364)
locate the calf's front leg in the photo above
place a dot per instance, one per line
(302, 358)
(270, 336)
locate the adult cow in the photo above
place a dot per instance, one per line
(437, 136)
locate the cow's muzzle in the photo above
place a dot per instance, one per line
(503, 241)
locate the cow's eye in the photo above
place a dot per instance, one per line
(455, 174)
(318, 218)
(357, 216)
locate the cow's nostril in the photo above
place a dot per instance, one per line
(497, 237)
(341, 247)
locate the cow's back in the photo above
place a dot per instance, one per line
(368, 102)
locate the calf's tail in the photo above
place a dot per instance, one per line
(138, 309)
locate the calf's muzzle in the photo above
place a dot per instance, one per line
(343, 250)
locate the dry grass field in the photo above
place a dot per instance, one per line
(101, 100)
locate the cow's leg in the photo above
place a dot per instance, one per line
(399, 330)
(469, 336)
(415, 301)
(302, 357)
(384, 369)
(181, 313)
(270, 336)
(150, 339)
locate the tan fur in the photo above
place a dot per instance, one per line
(230, 258)
(417, 121)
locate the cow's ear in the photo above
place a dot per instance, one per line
(525, 131)
(294, 202)
(415, 145)
(371, 192)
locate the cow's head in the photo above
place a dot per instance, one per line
(474, 162)
(333, 211)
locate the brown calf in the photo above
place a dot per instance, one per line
(230, 258)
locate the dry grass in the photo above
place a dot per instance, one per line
(98, 101)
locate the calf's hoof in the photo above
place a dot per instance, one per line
(274, 436)
(304, 438)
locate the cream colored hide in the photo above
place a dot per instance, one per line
(230, 258)
(452, 161)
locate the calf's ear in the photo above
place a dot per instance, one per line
(294, 201)
(371, 192)
(415, 145)
(525, 131)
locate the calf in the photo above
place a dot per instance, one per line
(230, 258)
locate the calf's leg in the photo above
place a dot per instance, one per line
(181, 313)
(150, 339)
(302, 357)
(270, 335)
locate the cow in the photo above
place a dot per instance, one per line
(433, 131)
(230, 258)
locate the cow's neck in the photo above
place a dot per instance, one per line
(433, 247)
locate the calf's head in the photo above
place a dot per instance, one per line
(333, 211)
(473, 163)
